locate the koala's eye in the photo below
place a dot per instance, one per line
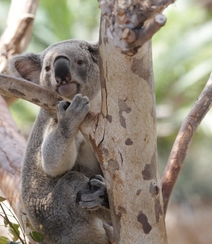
(47, 68)
(80, 62)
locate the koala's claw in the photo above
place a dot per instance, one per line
(97, 181)
(71, 115)
(80, 103)
(63, 105)
(95, 195)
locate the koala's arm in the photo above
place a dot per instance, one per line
(59, 148)
(58, 154)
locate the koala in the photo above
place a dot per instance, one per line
(63, 192)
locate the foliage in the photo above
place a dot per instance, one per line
(15, 229)
(77, 20)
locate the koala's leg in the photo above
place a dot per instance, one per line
(94, 198)
(65, 220)
(60, 149)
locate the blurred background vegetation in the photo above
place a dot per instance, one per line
(182, 63)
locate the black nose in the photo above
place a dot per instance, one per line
(62, 70)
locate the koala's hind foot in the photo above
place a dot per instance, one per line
(95, 195)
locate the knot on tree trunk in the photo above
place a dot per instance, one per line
(132, 23)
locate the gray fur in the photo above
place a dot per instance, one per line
(65, 205)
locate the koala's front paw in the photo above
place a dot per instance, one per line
(95, 196)
(71, 115)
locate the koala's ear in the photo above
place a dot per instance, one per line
(94, 51)
(27, 66)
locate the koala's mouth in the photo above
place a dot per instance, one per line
(68, 89)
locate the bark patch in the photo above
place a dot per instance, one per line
(149, 171)
(140, 68)
(109, 118)
(136, 67)
(138, 192)
(142, 218)
(123, 108)
(154, 189)
(35, 100)
(105, 152)
(122, 210)
(128, 142)
(105, 40)
(16, 92)
(158, 209)
(113, 165)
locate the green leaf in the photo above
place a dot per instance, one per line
(14, 230)
(6, 223)
(2, 199)
(3, 240)
(28, 224)
(36, 236)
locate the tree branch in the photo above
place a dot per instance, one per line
(17, 34)
(20, 88)
(14, 40)
(184, 137)
(137, 37)
(12, 146)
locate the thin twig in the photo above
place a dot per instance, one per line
(11, 226)
(184, 137)
(14, 216)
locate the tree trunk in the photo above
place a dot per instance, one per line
(125, 142)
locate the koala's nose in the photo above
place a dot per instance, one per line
(62, 70)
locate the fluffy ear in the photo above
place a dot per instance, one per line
(94, 51)
(27, 66)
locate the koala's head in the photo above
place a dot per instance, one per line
(67, 67)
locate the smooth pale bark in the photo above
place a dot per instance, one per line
(12, 147)
(125, 142)
(14, 39)
(17, 33)
(24, 89)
